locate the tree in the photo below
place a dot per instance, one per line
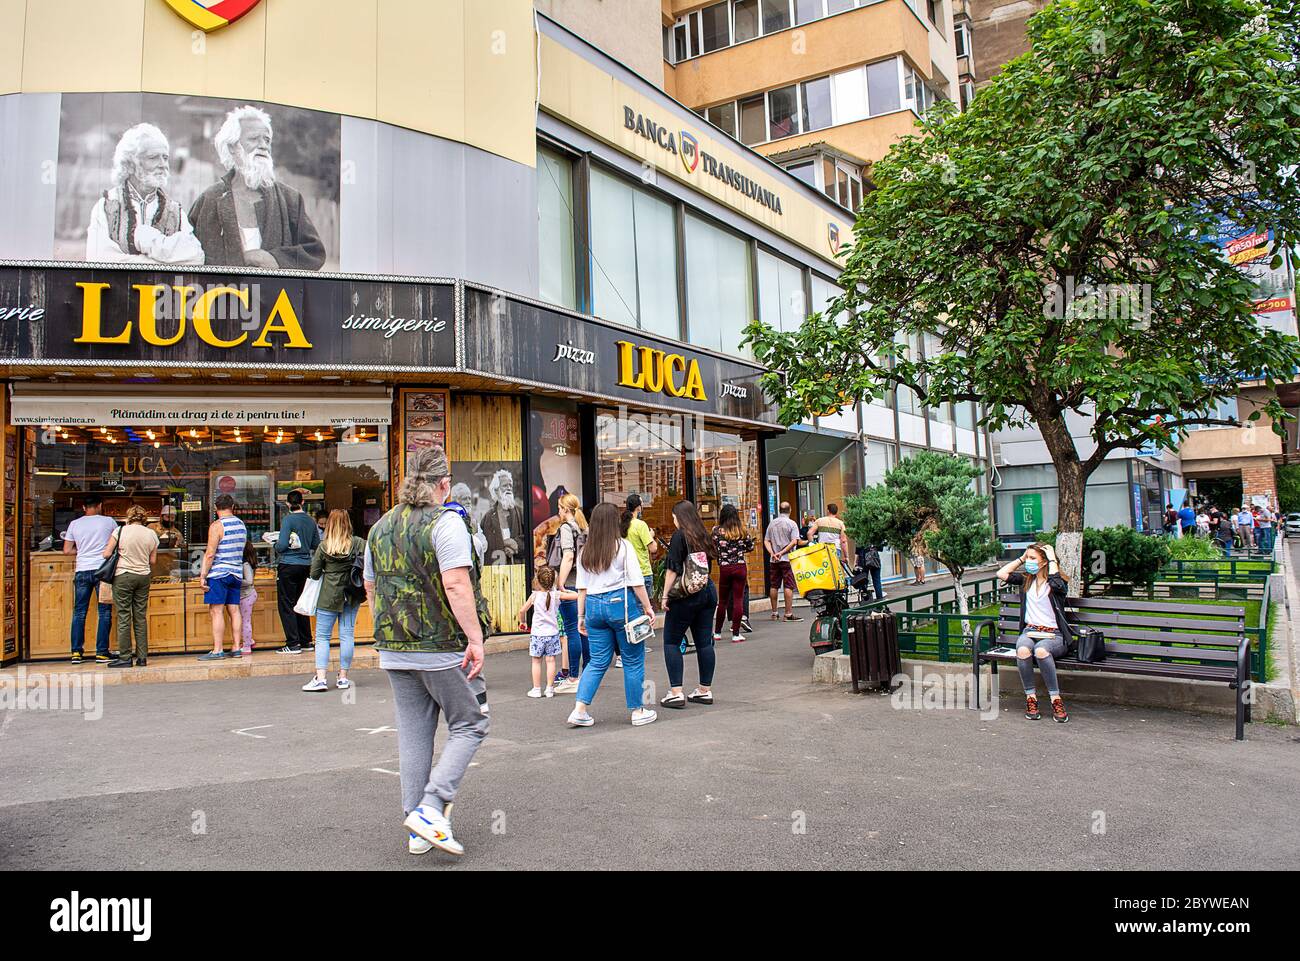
(1048, 253)
(928, 505)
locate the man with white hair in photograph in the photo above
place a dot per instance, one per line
(503, 524)
(134, 221)
(248, 218)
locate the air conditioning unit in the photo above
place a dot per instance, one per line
(998, 460)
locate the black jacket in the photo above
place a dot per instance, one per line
(1058, 590)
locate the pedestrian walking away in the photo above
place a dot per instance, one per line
(421, 575)
(339, 601)
(1044, 632)
(689, 600)
(731, 542)
(611, 593)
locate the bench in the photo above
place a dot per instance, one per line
(1203, 642)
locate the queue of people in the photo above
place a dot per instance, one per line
(1249, 527)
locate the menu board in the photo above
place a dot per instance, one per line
(424, 422)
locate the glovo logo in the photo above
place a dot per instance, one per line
(645, 368)
(209, 15)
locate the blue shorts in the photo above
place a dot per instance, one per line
(544, 645)
(222, 590)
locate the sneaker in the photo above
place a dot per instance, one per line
(643, 715)
(1058, 711)
(549, 692)
(618, 662)
(417, 845)
(737, 639)
(1031, 708)
(105, 658)
(343, 684)
(433, 827)
(793, 617)
(315, 685)
(289, 650)
(717, 638)
(580, 720)
(213, 656)
(247, 649)
(745, 625)
(76, 657)
(535, 691)
(567, 686)
(122, 662)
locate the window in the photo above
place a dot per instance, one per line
(932, 11)
(783, 112)
(776, 15)
(816, 103)
(967, 91)
(823, 293)
(634, 257)
(753, 121)
(843, 183)
(723, 116)
(681, 42)
(781, 300)
(882, 87)
(668, 44)
(849, 93)
(745, 14)
(961, 39)
(716, 29)
(805, 170)
(806, 10)
(555, 229)
(718, 289)
(838, 6)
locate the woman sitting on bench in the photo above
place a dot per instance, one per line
(1044, 631)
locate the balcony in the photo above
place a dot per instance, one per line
(868, 140)
(821, 47)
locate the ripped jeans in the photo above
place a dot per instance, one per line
(1044, 650)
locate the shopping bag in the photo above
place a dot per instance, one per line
(306, 605)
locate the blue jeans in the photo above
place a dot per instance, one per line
(579, 646)
(347, 621)
(605, 622)
(84, 588)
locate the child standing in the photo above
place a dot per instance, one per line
(248, 595)
(545, 641)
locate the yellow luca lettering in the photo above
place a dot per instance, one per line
(659, 373)
(149, 294)
(92, 303)
(203, 316)
(287, 324)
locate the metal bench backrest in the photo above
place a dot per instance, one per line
(1147, 630)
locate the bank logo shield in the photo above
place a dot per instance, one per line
(209, 15)
(690, 152)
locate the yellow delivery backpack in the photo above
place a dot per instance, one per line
(817, 567)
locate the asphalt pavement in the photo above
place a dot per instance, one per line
(779, 773)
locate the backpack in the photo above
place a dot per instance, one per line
(871, 559)
(695, 574)
(554, 551)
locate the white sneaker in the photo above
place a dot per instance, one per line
(535, 692)
(434, 828)
(549, 692)
(717, 638)
(643, 715)
(315, 684)
(737, 638)
(618, 662)
(343, 684)
(416, 844)
(580, 720)
(567, 686)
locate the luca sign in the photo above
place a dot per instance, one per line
(212, 15)
(52, 315)
(659, 372)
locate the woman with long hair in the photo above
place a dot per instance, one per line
(1044, 632)
(611, 592)
(731, 542)
(689, 601)
(339, 601)
(571, 534)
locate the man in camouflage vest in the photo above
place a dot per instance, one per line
(430, 618)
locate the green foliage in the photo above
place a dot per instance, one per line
(1119, 555)
(926, 505)
(1288, 488)
(1105, 156)
(1187, 548)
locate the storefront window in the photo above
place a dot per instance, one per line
(175, 474)
(726, 472)
(634, 257)
(642, 454)
(718, 289)
(555, 228)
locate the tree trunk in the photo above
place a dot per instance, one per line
(963, 603)
(1071, 484)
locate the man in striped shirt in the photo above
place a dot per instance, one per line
(223, 572)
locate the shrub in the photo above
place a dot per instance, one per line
(1119, 555)
(1193, 549)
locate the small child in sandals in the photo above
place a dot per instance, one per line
(545, 641)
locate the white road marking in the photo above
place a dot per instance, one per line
(244, 731)
(382, 729)
(384, 770)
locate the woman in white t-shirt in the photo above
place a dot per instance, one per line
(1044, 631)
(611, 592)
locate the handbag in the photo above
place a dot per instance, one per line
(306, 605)
(1090, 645)
(107, 570)
(638, 630)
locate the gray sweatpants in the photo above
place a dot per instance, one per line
(418, 698)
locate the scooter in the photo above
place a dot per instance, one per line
(824, 633)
